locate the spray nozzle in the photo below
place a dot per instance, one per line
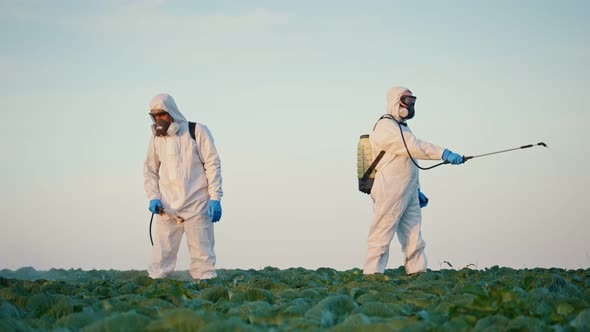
(542, 144)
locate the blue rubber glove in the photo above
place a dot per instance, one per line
(214, 210)
(452, 157)
(155, 206)
(423, 199)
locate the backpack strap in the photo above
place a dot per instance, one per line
(382, 153)
(373, 165)
(390, 117)
(191, 129)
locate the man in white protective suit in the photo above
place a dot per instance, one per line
(182, 174)
(395, 193)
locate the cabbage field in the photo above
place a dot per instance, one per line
(295, 299)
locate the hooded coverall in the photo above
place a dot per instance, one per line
(184, 173)
(395, 192)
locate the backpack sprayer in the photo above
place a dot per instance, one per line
(366, 165)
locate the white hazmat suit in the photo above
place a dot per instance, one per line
(395, 192)
(184, 173)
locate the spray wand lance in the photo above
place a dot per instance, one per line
(502, 151)
(465, 158)
(160, 212)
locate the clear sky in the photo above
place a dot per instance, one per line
(286, 88)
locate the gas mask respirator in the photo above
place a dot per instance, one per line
(160, 127)
(407, 110)
(163, 127)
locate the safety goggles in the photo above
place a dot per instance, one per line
(155, 114)
(408, 100)
(157, 111)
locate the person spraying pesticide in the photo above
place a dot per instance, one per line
(392, 181)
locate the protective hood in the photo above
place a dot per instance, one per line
(393, 97)
(166, 102)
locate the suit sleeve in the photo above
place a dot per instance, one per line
(211, 161)
(151, 167)
(388, 137)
